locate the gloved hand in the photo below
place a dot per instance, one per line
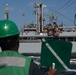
(52, 71)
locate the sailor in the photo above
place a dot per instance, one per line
(50, 30)
(12, 62)
(56, 31)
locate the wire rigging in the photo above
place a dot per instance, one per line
(61, 15)
(69, 5)
(62, 6)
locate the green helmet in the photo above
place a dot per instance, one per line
(8, 28)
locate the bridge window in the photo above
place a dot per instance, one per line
(70, 39)
(62, 38)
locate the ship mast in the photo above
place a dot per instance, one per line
(6, 12)
(39, 16)
(75, 19)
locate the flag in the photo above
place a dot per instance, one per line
(56, 51)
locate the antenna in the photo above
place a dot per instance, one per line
(6, 12)
(6, 4)
(23, 18)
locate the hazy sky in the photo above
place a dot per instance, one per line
(65, 11)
